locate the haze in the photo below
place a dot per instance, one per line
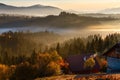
(79, 5)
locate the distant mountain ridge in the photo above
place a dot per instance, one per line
(111, 11)
(34, 10)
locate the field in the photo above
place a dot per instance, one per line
(84, 77)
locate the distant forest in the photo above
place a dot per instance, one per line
(63, 20)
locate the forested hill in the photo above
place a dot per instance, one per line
(64, 20)
(23, 43)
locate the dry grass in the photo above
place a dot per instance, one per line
(62, 77)
(84, 77)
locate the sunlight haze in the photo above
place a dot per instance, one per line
(79, 5)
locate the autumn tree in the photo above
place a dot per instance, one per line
(89, 63)
(53, 69)
(4, 72)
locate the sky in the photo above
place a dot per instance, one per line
(78, 5)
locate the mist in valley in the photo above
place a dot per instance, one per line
(102, 29)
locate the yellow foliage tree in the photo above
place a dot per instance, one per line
(56, 57)
(89, 63)
(48, 63)
(4, 72)
(53, 69)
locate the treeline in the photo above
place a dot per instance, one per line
(22, 44)
(17, 43)
(90, 45)
(6, 18)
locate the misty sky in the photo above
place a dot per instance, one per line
(79, 5)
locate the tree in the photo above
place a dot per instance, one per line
(24, 71)
(4, 72)
(58, 48)
(6, 58)
(89, 63)
(53, 69)
(55, 56)
(34, 57)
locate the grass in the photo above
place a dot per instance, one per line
(84, 77)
